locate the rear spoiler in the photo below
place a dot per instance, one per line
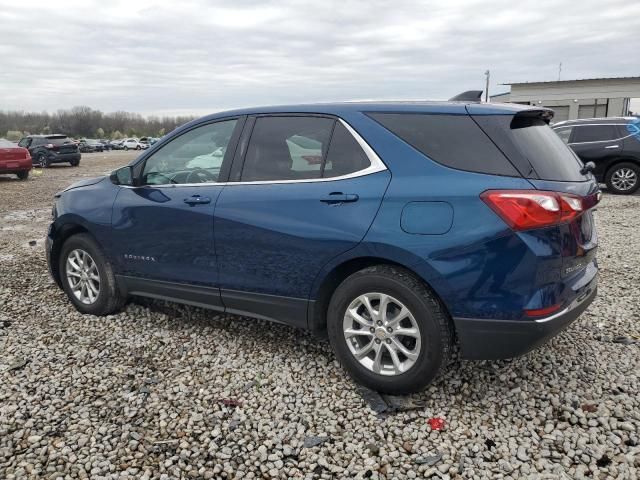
(468, 96)
(524, 117)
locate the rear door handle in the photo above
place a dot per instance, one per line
(613, 146)
(197, 200)
(338, 197)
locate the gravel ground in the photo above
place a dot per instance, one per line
(165, 391)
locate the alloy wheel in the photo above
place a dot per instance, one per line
(382, 334)
(83, 276)
(624, 179)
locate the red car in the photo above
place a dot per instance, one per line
(14, 159)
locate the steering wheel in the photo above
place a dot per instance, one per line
(202, 176)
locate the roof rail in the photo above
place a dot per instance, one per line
(468, 96)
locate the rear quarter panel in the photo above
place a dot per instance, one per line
(479, 267)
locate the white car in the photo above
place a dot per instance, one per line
(131, 144)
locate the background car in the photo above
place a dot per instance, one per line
(14, 160)
(88, 145)
(48, 149)
(131, 144)
(116, 144)
(612, 144)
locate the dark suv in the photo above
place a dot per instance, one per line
(48, 149)
(612, 144)
(393, 228)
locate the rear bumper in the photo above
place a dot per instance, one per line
(63, 157)
(15, 166)
(482, 339)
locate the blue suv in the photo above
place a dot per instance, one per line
(395, 229)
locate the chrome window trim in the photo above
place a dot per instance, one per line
(375, 165)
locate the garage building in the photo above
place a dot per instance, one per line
(571, 99)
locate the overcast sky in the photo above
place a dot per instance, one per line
(196, 57)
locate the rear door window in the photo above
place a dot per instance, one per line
(287, 148)
(594, 133)
(455, 141)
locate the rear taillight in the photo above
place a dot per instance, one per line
(527, 209)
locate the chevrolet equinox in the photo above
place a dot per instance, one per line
(395, 229)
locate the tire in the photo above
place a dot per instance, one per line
(23, 175)
(109, 298)
(623, 178)
(138, 147)
(43, 161)
(74, 163)
(431, 348)
(125, 148)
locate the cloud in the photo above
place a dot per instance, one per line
(199, 56)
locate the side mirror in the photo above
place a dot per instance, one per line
(122, 176)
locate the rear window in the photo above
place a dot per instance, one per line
(57, 140)
(532, 146)
(455, 141)
(548, 154)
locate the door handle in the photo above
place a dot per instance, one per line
(338, 197)
(613, 146)
(197, 200)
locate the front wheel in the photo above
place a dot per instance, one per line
(87, 277)
(138, 147)
(74, 163)
(126, 148)
(389, 330)
(623, 178)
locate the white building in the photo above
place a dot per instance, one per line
(571, 99)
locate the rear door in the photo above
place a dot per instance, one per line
(304, 189)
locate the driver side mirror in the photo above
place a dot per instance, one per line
(122, 176)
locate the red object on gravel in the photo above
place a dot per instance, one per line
(436, 423)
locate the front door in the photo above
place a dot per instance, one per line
(307, 193)
(163, 229)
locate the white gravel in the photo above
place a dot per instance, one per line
(165, 391)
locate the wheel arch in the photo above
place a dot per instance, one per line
(62, 234)
(617, 161)
(334, 276)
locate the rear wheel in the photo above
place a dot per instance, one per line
(138, 147)
(389, 330)
(87, 277)
(23, 175)
(125, 148)
(43, 161)
(623, 178)
(74, 163)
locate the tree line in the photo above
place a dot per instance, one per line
(85, 122)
